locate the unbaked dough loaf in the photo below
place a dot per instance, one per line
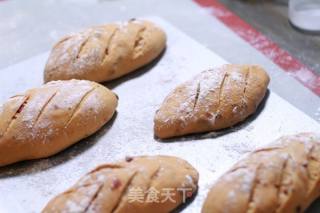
(213, 100)
(283, 177)
(46, 120)
(156, 184)
(105, 52)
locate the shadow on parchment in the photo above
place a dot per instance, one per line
(184, 205)
(314, 207)
(134, 74)
(219, 133)
(38, 165)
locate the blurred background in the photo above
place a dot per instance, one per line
(271, 17)
(30, 27)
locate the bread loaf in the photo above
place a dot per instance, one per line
(283, 177)
(105, 52)
(213, 100)
(46, 120)
(156, 184)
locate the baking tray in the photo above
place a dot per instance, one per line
(28, 186)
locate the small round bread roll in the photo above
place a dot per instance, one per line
(213, 100)
(46, 120)
(105, 52)
(145, 184)
(282, 177)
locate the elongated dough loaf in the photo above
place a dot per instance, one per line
(105, 52)
(213, 100)
(156, 184)
(283, 177)
(46, 120)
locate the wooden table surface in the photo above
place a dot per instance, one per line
(270, 17)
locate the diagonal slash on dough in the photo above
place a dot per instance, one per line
(76, 109)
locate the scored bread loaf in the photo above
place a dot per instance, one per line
(105, 52)
(46, 120)
(283, 177)
(212, 100)
(145, 184)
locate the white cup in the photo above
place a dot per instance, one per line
(305, 14)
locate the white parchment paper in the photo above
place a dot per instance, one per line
(28, 186)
